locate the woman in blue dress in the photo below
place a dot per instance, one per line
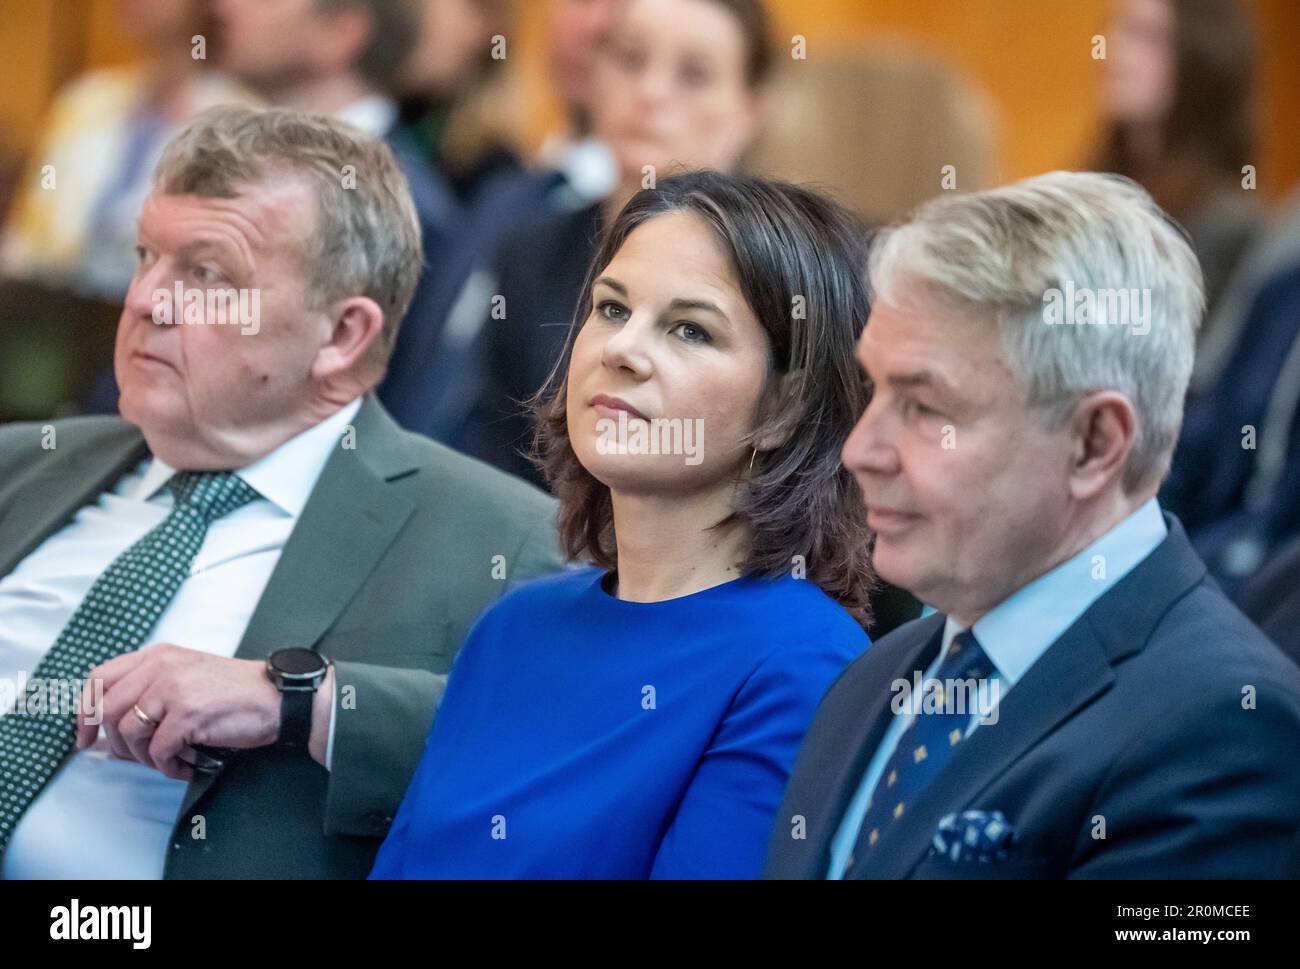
(639, 717)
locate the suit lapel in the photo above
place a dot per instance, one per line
(868, 729)
(72, 478)
(348, 523)
(344, 531)
(1074, 670)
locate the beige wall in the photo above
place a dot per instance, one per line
(1033, 58)
(1030, 56)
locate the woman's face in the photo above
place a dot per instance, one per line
(454, 35)
(670, 88)
(670, 336)
(1140, 62)
(161, 22)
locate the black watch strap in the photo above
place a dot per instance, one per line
(295, 717)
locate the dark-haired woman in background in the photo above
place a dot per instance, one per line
(1179, 108)
(640, 718)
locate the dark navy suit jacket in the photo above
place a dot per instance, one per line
(1207, 484)
(1136, 723)
(1272, 599)
(539, 270)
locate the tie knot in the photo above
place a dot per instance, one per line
(965, 658)
(213, 494)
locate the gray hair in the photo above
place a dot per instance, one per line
(1020, 251)
(366, 239)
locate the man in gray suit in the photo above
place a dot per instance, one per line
(256, 580)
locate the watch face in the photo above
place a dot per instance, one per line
(297, 662)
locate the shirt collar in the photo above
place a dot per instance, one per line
(1017, 631)
(374, 114)
(589, 167)
(287, 476)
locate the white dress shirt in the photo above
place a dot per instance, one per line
(374, 114)
(589, 167)
(100, 816)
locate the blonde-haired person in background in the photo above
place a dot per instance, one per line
(102, 138)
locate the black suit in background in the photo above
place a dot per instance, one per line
(1272, 599)
(538, 271)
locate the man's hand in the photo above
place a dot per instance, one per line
(191, 697)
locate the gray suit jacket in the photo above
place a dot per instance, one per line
(391, 562)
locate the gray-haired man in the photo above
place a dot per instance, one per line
(1086, 703)
(263, 575)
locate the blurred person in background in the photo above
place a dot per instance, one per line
(335, 57)
(458, 112)
(341, 58)
(351, 59)
(1235, 478)
(1180, 102)
(451, 92)
(102, 138)
(1179, 105)
(678, 87)
(576, 32)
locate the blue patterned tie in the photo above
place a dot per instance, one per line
(923, 749)
(117, 615)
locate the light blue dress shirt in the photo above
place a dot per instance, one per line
(1015, 633)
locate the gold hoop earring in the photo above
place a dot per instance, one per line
(751, 459)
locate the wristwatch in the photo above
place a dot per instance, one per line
(297, 673)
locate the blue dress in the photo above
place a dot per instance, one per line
(582, 736)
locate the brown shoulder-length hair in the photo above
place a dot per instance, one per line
(1210, 131)
(799, 260)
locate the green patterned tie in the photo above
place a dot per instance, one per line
(118, 614)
